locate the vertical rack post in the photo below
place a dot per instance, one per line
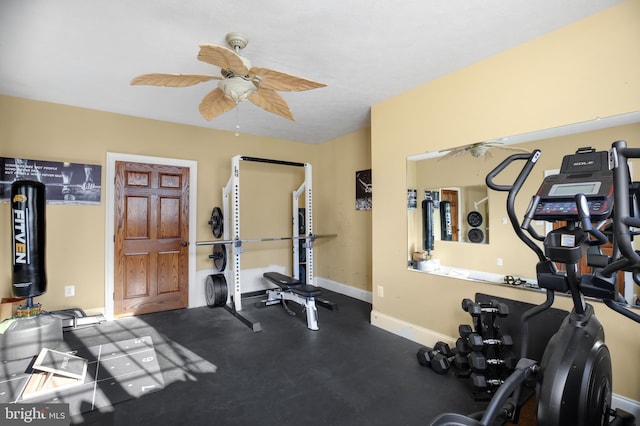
(308, 215)
(237, 249)
(296, 231)
(308, 227)
(226, 192)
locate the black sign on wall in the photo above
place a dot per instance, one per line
(364, 190)
(66, 183)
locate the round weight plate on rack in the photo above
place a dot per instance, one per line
(302, 273)
(475, 235)
(216, 290)
(301, 222)
(302, 251)
(474, 219)
(216, 222)
(219, 257)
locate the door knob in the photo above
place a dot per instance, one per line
(185, 243)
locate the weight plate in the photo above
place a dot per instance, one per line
(475, 235)
(474, 219)
(302, 251)
(302, 274)
(216, 290)
(216, 222)
(301, 222)
(220, 257)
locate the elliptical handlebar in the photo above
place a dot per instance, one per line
(524, 173)
(622, 213)
(531, 160)
(585, 221)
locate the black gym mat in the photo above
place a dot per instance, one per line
(116, 372)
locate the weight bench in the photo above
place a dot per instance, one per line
(296, 291)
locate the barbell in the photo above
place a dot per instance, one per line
(259, 240)
(217, 228)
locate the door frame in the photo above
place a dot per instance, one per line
(458, 223)
(109, 244)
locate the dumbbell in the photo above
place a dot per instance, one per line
(481, 382)
(461, 361)
(426, 355)
(477, 309)
(465, 330)
(476, 342)
(442, 364)
(462, 345)
(479, 362)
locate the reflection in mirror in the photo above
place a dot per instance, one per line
(460, 179)
(453, 214)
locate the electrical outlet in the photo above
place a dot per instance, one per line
(499, 262)
(69, 291)
(380, 291)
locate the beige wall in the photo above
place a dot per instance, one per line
(348, 261)
(586, 70)
(75, 234)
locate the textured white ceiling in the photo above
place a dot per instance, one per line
(85, 52)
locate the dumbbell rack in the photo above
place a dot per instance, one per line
(482, 352)
(490, 359)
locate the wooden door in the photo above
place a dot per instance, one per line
(585, 269)
(451, 195)
(151, 238)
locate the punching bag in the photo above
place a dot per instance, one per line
(446, 229)
(427, 225)
(28, 202)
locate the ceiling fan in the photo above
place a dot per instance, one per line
(479, 149)
(239, 81)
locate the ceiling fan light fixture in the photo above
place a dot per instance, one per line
(237, 88)
(478, 150)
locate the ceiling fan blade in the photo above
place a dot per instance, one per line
(454, 153)
(512, 148)
(271, 101)
(214, 104)
(278, 80)
(222, 57)
(172, 80)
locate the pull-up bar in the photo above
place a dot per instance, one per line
(266, 160)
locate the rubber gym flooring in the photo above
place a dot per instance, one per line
(218, 372)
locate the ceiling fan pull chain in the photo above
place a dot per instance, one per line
(237, 119)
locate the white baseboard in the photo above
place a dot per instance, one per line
(428, 337)
(347, 290)
(626, 404)
(94, 311)
(409, 331)
(252, 281)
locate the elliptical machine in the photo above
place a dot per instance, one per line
(573, 380)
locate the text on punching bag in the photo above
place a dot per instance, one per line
(20, 239)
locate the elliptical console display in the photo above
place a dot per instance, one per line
(586, 172)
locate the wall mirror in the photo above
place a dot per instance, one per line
(470, 236)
